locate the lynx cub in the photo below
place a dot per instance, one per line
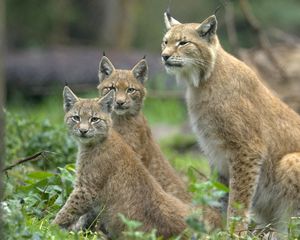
(110, 174)
(129, 121)
(249, 136)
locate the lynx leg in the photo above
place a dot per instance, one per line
(86, 221)
(212, 218)
(288, 180)
(288, 174)
(79, 202)
(244, 174)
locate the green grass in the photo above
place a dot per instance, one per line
(170, 111)
(182, 151)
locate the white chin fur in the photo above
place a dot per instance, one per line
(84, 140)
(189, 75)
(173, 70)
(120, 111)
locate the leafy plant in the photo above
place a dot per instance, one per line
(132, 231)
(25, 137)
(34, 192)
(294, 228)
(206, 192)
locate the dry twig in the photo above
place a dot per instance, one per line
(202, 175)
(27, 159)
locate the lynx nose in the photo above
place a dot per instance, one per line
(165, 57)
(83, 131)
(120, 102)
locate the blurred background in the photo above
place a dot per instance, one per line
(44, 44)
(48, 43)
(52, 42)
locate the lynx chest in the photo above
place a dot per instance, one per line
(213, 146)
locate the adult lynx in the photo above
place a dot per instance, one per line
(109, 173)
(249, 136)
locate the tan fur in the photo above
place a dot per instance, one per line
(249, 136)
(133, 127)
(109, 173)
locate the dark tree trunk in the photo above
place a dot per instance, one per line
(119, 22)
(263, 40)
(2, 97)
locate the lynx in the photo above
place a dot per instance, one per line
(110, 173)
(249, 136)
(129, 121)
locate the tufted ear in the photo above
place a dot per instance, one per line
(140, 71)
(105, 68)
(107, 102)
(169, 21)
(208, 28)
(69, 98)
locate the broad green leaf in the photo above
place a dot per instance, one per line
(220, 186)
(40, 175)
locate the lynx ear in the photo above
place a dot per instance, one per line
(208, 28)
(69, 98)
(140, 71)
(105, 68)
(107, 102)
(169, 21)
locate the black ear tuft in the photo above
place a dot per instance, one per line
(169, 21)
(104, 53)
(168, 13)
(218, 8)
(144, 57)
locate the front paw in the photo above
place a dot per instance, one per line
(61, 223)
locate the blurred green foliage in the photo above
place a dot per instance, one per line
(171, 111)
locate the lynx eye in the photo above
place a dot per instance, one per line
(182, 43)
(76, 118)
(165, 42)
(130, 90)
(107, 89)
(95, 120)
